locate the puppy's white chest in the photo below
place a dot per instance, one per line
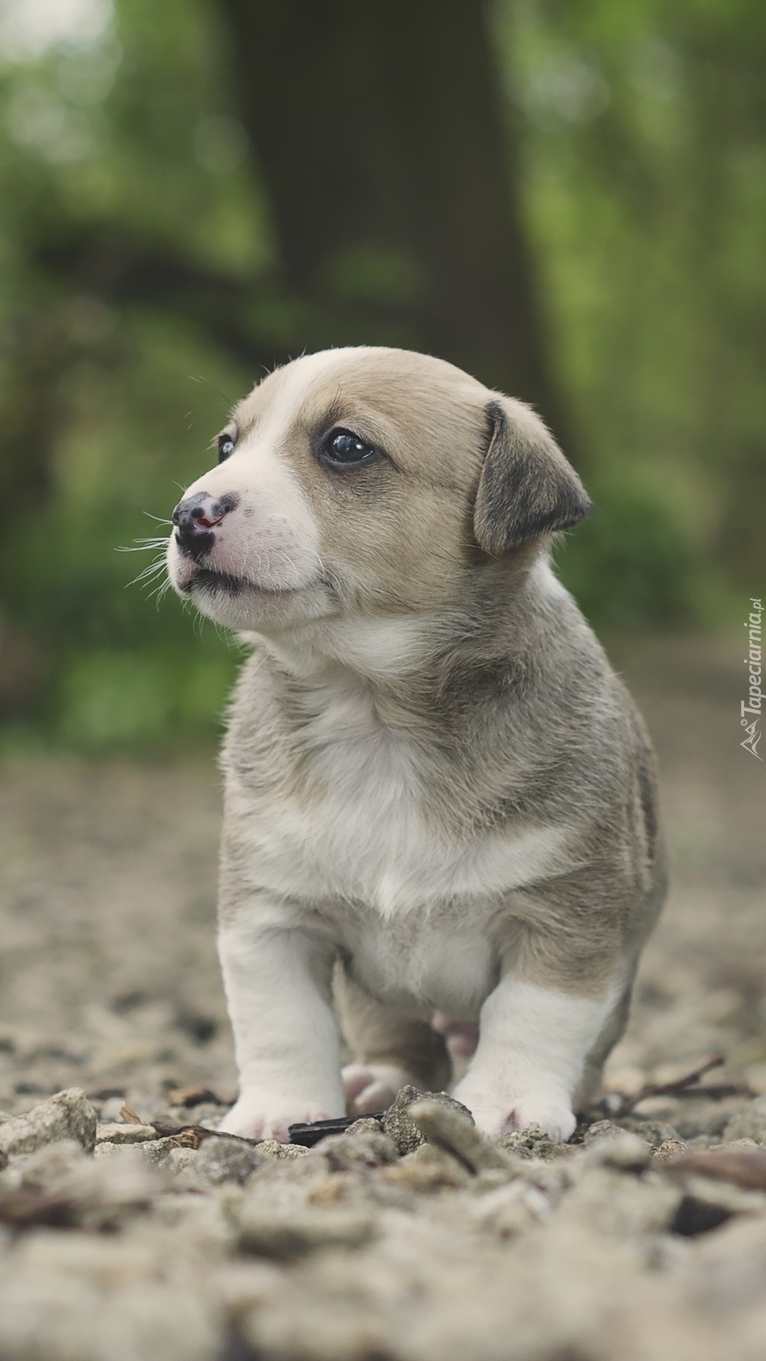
(363, 839)
(366, 839)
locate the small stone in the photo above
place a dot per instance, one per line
(67, 1115)
(272, 1148)
(299, 1231)
(221, 1159)
(532, 1143)
(181, 1163)
(654, 1132)
(366, 1124)
(350, 1153)
(732, 1145)
(428, 1169)
(398, 1125)
(157, 1151)
(106, 1149)
(624, 1152)
(669, 1148)
(124, 1134)
(456, 1134)
(601, 1129)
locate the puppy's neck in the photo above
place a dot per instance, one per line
(407, 660)
(380, 651)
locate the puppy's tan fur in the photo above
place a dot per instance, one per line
(434, 782)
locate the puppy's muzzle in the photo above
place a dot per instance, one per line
(196, 520)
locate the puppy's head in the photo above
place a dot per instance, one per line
(364, 482)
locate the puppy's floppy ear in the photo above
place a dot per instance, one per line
(526, 487)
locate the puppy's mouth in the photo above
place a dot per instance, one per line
(206, 579)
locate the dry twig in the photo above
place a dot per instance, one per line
(678, 1086)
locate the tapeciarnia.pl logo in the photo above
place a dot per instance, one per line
(750, 709)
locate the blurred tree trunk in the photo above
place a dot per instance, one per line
(378, 127)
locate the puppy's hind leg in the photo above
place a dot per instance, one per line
(389, 1050)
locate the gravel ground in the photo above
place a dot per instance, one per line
(645, 1239)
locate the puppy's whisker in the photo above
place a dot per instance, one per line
(141, 546)
(153, 570)
(200, 378)
(160, 591)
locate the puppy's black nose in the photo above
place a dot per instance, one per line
(196, 519)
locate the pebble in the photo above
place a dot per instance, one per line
(455, 1133)
(532, 1143)
(301, 1231)
(220, 1160)
(601, 1129)
(356, 1152)
(428, 1169)
(124, 1134)
(67, 1115)
(670, 1148)
(272, 1148)
(155, 1152)
(366, 1124)
(398, 1125)
(624, 1151)
(654, 1132)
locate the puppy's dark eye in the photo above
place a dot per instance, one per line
(226, 444)
(343, 449)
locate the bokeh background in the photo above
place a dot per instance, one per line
(566, 197)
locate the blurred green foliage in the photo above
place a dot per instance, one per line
(644, 143)
(641, 127)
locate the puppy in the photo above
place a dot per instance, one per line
(436, 788)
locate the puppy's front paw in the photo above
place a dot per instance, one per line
(495, 1116)
(373, 1086)
(546, 1113)
(261, 1116)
